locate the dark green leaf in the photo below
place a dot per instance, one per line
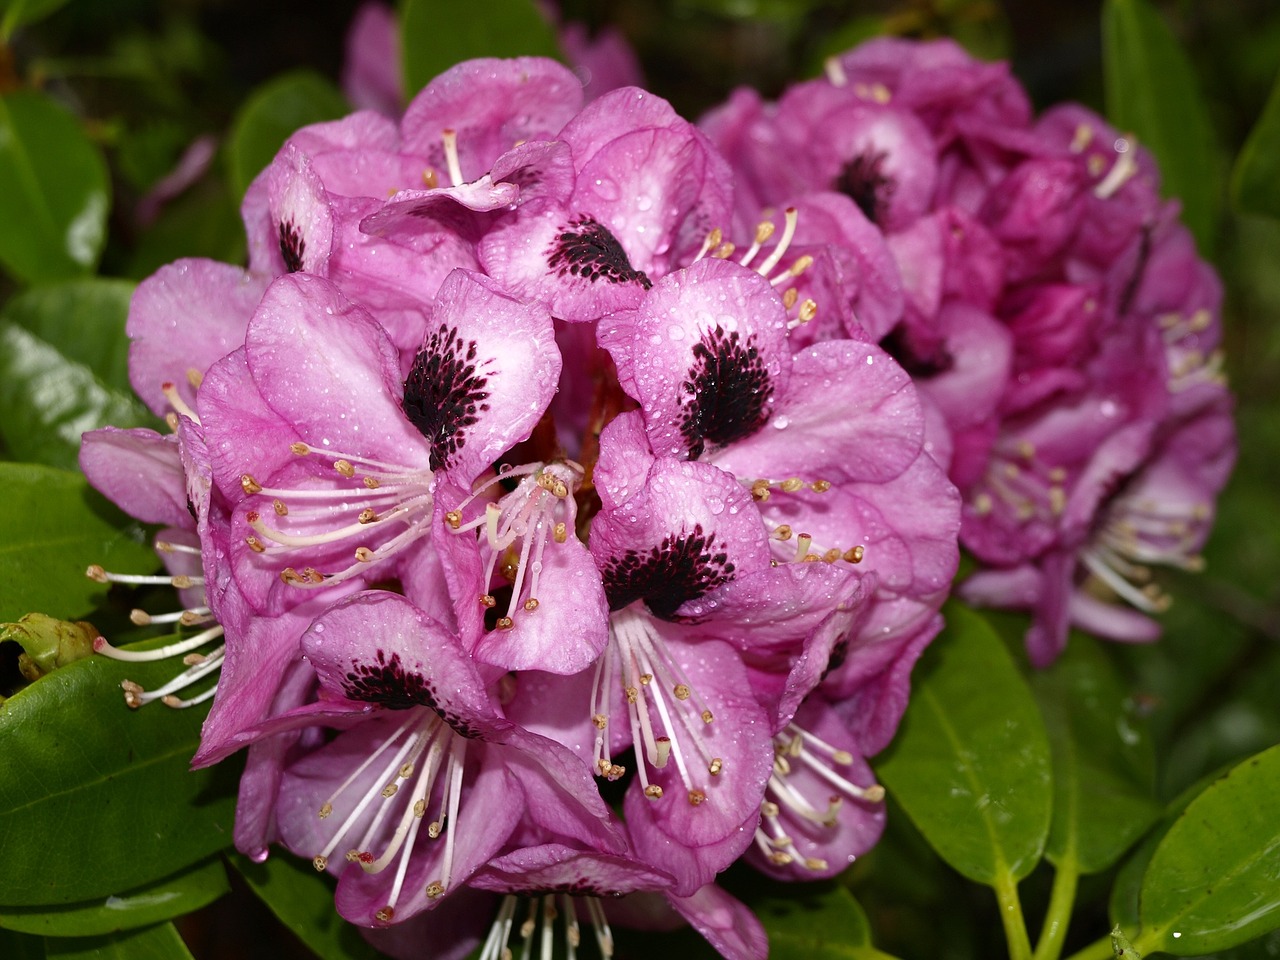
(273, 112)
(1103, 762)
(97, 799)
(54, 191)
(20, 946)
(434, 36)
(171, 897)
(1152, 93)
(970, 764)
(19, 12)
(153, 943)
(1255, 180)
(84, 320)
(1211, 883)
(303, 900)
(48, 401)
(814, 920)
(53, 526)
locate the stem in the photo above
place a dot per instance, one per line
(1015, 927)
(1058, 917)
(1098, 950)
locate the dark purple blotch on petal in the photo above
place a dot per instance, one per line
(864, 182)
(388, 684)
(444, 393)
(729, 392)
(585, 248)
(292, 246)
(681, 568)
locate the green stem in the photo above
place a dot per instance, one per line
(1061, 902)
(1015, 927)
(1098, 950)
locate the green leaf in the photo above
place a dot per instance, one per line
(1211, 883)
(1152, 92)
(1255, 180)
(153, 943)
(1103, 761)
(84, 320)
(48, 401)
(53, 526)
(815, 920)
(97, 799)
(273, 112)
(19, 12)
(970, 764)
(171, 897)
(20, 946)
(435, 35)
(54, 191)
(303, 901)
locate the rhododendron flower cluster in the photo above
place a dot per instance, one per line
(1055, 316)
(571, 489)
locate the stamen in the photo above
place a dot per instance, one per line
(450, 140)
(790, 218)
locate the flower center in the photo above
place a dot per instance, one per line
(681, 568)
(445, 393)
(727, 392)
(864, 181)
(292, 245)
(586, 248)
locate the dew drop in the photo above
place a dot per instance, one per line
(781, 423)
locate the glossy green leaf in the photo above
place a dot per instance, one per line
(303, 901)
(273, 112)
(19, 12)
(815, 920)
(1103, 761)
(48, 401)
(84, 320)
(97, 799)
(1212, 881)
(54, 191)
(1255, 179)
(170, 898)
(1152, 92)
(970, 764)
(53, 526)
(152, 943)
(436, 35)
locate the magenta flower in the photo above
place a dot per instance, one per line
(314, 426)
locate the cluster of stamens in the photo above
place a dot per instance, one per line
(668, 719)
(1189, 365)
(538, 927)
(541, 507)
(1136, 533)
(389, 498)
(797, 749)
(1021, 481)
(806, 550)
(715, 245)
(421, 758)
(198, 665)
